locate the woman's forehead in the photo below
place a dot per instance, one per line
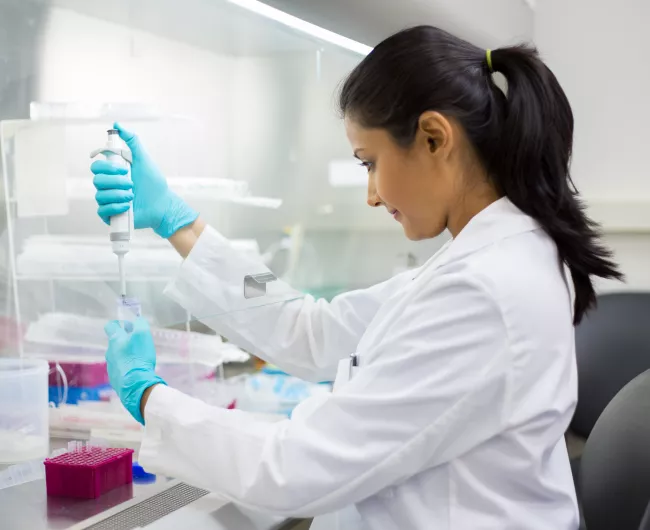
(361, 137)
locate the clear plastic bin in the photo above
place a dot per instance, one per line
(23, 410)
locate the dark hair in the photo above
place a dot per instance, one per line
(523, 137)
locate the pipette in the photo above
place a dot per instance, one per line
(121, 224)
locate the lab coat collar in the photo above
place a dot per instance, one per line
(500, 220)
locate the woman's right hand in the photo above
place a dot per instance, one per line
(154, 204)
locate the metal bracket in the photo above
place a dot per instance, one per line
(255, 284)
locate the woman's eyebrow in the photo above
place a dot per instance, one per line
(357, 151)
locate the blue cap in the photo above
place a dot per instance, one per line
(140, 476)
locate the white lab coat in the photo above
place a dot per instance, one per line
(453, 420)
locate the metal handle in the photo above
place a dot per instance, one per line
(354, 362)
(255, 284)
(58, 368)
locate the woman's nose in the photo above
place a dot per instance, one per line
(373, 198)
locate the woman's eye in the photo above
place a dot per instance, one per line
(367, 165)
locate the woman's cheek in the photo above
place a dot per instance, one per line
(387, 189)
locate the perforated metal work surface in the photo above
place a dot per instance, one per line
(152, 509)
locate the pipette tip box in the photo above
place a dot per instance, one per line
(88, 472)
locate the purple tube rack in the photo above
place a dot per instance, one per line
(88, 473)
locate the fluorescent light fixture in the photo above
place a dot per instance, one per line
(305, 27)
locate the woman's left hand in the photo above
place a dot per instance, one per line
(131, 362)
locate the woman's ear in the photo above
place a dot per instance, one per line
(437, 131)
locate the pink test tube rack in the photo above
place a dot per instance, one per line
(88, 472)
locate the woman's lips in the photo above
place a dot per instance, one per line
(395, 214)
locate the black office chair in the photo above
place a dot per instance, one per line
(612, 348)
(615, 467)
(645, 524)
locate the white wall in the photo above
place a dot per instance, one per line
(599, 52)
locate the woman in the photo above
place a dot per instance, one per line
(466, 379)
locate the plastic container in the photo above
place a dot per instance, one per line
(24, 431)
(75, 395)
(21, 474)
(80, 374)
(89, 472)
(67, 421)
(66, 337)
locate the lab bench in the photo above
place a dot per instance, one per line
(164, 505)
(28, 507)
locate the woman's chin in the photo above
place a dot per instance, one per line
(414, 234)
(411, 234)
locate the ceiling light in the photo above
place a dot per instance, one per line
(302, 26)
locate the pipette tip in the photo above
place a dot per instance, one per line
(120, 261)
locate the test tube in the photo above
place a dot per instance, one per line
(128, 309)
(98, 444)
(58, 452)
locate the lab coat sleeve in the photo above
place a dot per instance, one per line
(437, 387)
(304, 336)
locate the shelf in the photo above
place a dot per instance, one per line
(105, 279)
(207, 189)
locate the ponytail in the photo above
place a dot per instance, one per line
(531, 166)
(523, 137)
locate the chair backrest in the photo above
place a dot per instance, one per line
(612, 348)
(615, 466)
(645, 524)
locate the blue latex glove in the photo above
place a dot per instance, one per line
(131, 362)
(154, 204)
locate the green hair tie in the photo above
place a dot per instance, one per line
(488, 57)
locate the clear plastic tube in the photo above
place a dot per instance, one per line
(128, 309)
(120, 263)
